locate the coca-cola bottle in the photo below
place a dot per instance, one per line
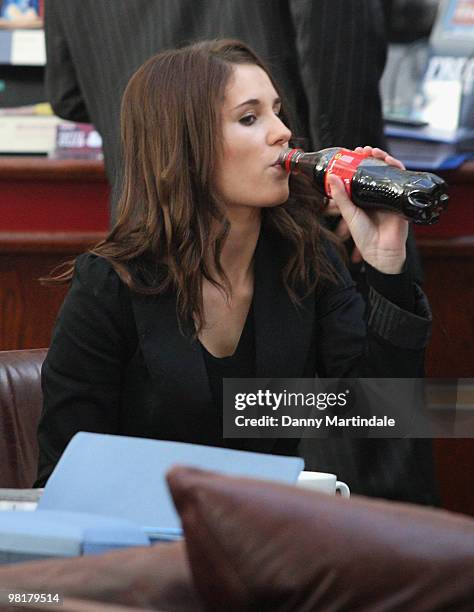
(371, 183)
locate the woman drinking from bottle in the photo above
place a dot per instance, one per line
(218, 267)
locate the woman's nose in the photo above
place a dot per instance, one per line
(280, 132)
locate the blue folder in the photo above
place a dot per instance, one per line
(124, 477)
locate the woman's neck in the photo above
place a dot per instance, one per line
(239, 247)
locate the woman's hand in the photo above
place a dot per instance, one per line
(380, 236)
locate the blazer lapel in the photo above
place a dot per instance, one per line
(283, 332)
(166, 350)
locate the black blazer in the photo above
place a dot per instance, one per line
(327, 55)
(119, 364)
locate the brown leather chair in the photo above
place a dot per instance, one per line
(20, 409)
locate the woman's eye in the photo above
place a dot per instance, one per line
(248, 120)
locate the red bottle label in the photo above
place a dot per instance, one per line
(344, 164)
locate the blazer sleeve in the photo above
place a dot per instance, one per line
(385, 342)
(62, 86)
(341, 48)
(81, 376)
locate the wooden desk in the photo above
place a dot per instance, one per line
(54, 210)
(43, 195)
(51, 212)
(27, 308)
(447, 251)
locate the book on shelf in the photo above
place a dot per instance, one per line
(77, 141)
(35, 130)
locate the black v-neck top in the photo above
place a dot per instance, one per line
(239, 365)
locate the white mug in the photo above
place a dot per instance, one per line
(326, 483)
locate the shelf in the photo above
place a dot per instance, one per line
(29, 169)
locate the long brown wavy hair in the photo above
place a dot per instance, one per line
(171, 139)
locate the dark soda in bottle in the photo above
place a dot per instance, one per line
(371, 183)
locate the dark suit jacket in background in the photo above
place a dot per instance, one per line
(328, 56)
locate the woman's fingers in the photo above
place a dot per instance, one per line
(376, 152)
(338, 193)
(393, 161)
(380, 154)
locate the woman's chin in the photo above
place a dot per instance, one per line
(279, 198)
(283, 199)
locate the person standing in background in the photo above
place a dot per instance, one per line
(327, 56)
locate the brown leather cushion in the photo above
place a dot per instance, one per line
(20, 409)
(157, 577)
(255, 545)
